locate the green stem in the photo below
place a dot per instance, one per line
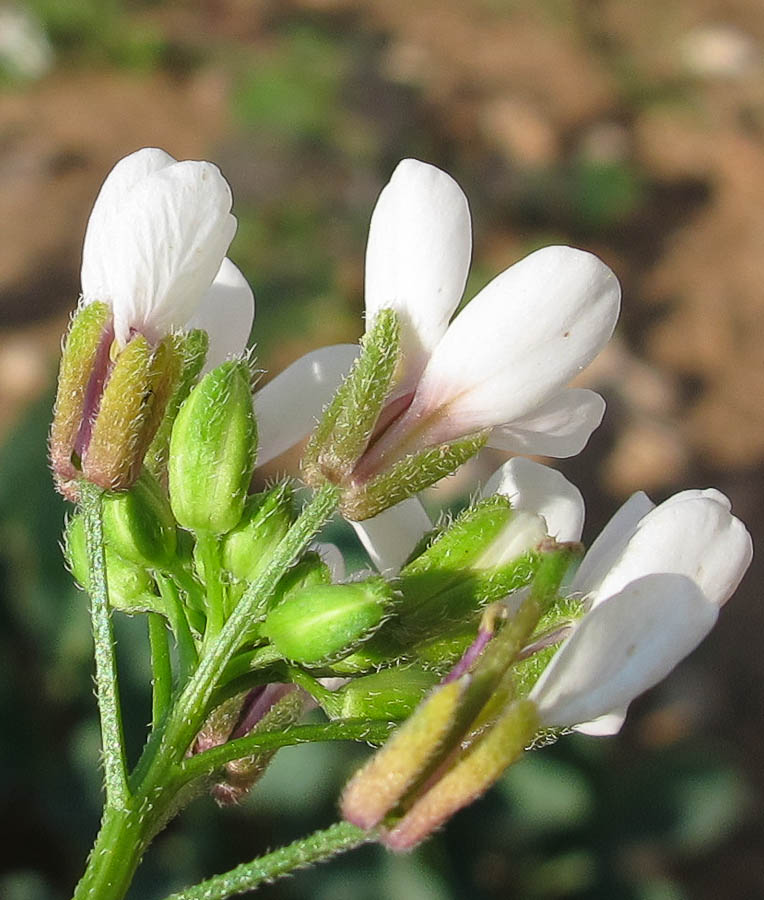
(320, 846)
(373, 730)
(193, 704)
(127, 830)
(107, 687)
(114, 857)
(207, 546)
(187, 655)
(161, 668)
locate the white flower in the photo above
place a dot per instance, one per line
(655, 579)
(504, 360)
(155, 251)
(653, 582)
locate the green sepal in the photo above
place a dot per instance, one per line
(389, 694)
(316, 625)
(468, 776)
(212, 451)
(348, 423)
(267, 517)
(139, 525)
(408, 476)
(445, 586)
(78, 361)
(191, 347)
(383, 648)
(132, 403)
(131, 588)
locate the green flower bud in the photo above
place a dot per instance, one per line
(212, 451)
(266, 520)
(130, 587)
(139, 525)
(389, 694)
(321, 623)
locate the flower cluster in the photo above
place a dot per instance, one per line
(476, 634)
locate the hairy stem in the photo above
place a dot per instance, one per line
(107, 687)
(372, 730)
(320, 846)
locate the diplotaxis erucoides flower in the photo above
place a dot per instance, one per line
(154, 270)
(498, 370)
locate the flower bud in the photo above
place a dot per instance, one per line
(130, 587)
(139, 525)
(321, 623)
(389, 694)
(212, 451)
(266, 519)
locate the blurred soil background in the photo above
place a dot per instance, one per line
(635, 130)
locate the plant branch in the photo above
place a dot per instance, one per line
(372, 730)
(320, 846)
(161, 668)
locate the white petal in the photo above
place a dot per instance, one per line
(622, 648)
(707, 493)
(696, 536)
(524, 532)
(561, 427)
(521, 340)
(226, 313)
(609, 545)
(418, 257)
(333, 558)
(163, 250)
(97, 250)
(390, 537)
(542, 490)
(289, 406)
(603, 726)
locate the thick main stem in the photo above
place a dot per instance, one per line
(114, 857)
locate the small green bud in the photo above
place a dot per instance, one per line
(130, 587)
(321, 623)
(212, 451)
(139, 525)
(389, 694)
(266, 519)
